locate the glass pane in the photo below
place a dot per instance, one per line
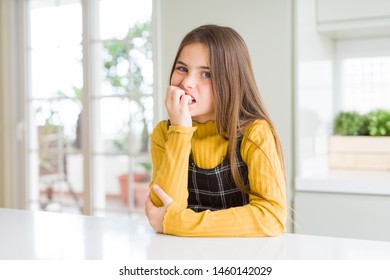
(62, 113)
(123, 105)
(365, 83)
(117, 15)
(115, 187)
(53, 25)
(56, 52)
(56, 72)
(120, 121)
(55, 165)
(127, 63)
(55, 162)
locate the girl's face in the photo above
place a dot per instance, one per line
(192, 74)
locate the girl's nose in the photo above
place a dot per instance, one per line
(188, 82)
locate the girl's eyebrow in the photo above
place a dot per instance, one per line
(199, 67)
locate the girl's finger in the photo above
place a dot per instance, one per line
(164, 197)
(175, 94)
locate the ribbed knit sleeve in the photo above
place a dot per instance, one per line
(170, 149)
(262, 216)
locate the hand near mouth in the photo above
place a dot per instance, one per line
(176, 103)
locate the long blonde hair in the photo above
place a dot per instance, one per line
(236, 96)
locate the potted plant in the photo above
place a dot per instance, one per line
(360, 141)
(141, 185)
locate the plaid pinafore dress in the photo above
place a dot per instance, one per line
(214, 189)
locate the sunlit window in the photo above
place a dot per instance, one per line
(121, 102)
(365, 83)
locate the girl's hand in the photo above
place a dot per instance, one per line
(156, 214)
(176, 103)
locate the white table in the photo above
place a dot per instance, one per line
(41, 235)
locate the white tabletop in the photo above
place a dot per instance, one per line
(42, 235)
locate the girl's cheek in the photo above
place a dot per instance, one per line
(177, 79)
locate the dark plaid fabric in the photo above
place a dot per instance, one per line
(214, 189)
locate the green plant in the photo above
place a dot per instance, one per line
(147, 165)
(350, 123)
(130, 53)
(379, 122)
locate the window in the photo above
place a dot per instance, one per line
(90, 105)
(365, 83)
(364, 74)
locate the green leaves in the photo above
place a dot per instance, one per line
(350, 123)
(379, 123)
(375, 123)
(124, 58)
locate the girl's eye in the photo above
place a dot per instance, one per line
(206, 75)
(182, 69)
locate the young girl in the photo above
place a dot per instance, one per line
(218, 166)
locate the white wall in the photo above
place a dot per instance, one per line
(314, 88)
(265, 25)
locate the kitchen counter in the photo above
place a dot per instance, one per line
(315, 176)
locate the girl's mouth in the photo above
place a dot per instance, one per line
(192, 101)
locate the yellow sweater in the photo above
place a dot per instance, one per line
(170, 150)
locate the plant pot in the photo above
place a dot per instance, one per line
(141, 189)
(359, 152)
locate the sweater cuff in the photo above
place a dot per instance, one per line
(170, 217)
(182, 129)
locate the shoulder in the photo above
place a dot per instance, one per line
(160, 131)
(258, 136)
(162, 126)
(258, 131)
